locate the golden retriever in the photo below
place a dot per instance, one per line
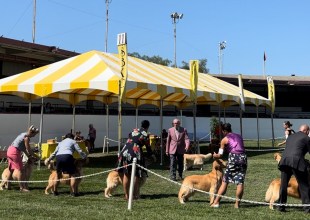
(209, 182)
(195, 160)
(114, 180)
(27, 170)
(65, 179)
(273, 191)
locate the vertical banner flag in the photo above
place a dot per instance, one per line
(123, 56)
(271, 93)
(265, 57)
(241, 93)
(194, 68)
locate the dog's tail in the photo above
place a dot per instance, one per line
(269, 193)
(181, 194)
(208, 156)
(277, 157)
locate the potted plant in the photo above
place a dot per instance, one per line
(215, 131)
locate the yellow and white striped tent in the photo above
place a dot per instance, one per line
(96, 75)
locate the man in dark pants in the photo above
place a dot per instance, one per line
(293, 163)
(177, 144)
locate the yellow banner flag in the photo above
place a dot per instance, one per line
(271, 93)
(241, 93)
(194, 68)
(123, 57)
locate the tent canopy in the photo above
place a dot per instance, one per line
(96, 75)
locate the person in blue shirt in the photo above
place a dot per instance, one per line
(65, 160)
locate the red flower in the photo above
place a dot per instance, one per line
(135, 148)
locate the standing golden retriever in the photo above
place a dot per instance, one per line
(209, 182)
(273, 191)
(65, 179)
(197, 160)
(27, 170)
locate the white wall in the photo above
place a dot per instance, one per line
(58, 125)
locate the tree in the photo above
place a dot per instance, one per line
(166, 62)
(202, 66)
(154, 59)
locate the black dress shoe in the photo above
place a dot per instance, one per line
(74, 194)
(281, 209)
(55, 193)
(173, 179)
(181, 178)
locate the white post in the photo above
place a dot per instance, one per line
(104, 143)
(132, 183)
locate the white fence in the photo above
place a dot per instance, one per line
(58, 125)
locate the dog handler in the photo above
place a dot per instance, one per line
(133, 149)
(236, 165)
(20, 145)
(65, 161)
(293, 162)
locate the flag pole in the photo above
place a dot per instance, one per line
(264, 65)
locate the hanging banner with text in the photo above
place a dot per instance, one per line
(123, 56)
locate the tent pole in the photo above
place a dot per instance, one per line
(161, 129)
(41, 127)
(29, 114)
(137, 111)
(272, 129)
(194, 120)
(257, 123)
(119, 120)
(241, 133)
(107, 127)
(181, 115)
(73, 120)
(220, 121)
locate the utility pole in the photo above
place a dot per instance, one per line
(107, 2)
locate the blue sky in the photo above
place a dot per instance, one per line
(278, 27)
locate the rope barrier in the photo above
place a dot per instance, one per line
(171, 181)
(205, 137)
(223, 196)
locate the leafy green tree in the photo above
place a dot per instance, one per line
(166, 62)
(202, 66)
(154, 59)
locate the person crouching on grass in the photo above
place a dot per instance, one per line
(20, 145)
(65, 160)
(236, 165)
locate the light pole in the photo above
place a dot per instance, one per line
(34, 21)
(107, 2)
(222, 46)
(175, 19)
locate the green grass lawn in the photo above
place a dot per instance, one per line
(159, 196)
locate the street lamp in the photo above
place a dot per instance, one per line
(222, 46)
(107, 2)
(175, 19)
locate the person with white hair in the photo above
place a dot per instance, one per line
(177, 144)
(293, 162)
(14, 154)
